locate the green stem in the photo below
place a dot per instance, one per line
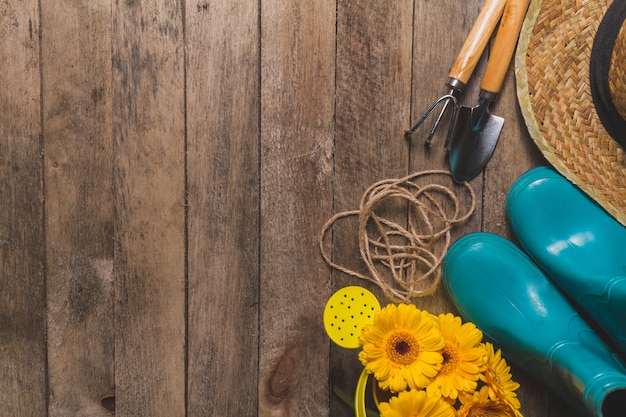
(343, 396)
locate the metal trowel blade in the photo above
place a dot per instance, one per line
(470, 148)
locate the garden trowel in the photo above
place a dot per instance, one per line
(476, 131)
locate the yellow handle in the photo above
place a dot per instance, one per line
(504, 45)
(477, 39)
(359, 395)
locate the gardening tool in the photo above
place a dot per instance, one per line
(465, 63)
(476, 131)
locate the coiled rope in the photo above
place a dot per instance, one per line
(404, 261)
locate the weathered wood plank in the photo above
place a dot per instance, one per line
(149, 193)
(286, 124)
(373, 104)
(79, 206)
(439, 31)
(297, 127)
(373, 99)
(22, 295)
(223, 220)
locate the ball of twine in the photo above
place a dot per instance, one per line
(404, 259)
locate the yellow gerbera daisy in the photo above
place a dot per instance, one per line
(415, 403)
(498, 377)
(480, 405)
(463, 358)
(401, 347)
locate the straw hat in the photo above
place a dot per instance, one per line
(565, 48)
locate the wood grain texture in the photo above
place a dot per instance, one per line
(23, 385)
(373, 105)
(149, 198)
(446, 24)
(223, 106)
(79, 205)
(297, 108)
(165, 170)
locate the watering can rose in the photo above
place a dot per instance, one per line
(409, 350)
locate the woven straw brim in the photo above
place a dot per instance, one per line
(552, 70)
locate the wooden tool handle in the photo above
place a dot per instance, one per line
(504, 45)
(476, 40)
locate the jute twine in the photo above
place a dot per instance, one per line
(404, 261)
(553, 88)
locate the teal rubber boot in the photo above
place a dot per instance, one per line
(497, 286)
(577, 244)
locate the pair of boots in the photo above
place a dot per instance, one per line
(574, 257)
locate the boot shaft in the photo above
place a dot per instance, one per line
(495, 285)
(578, 245)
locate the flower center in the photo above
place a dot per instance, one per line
(402, 347)
(477, 412)
(450, 360)
(489, 411)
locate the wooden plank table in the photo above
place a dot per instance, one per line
(166, 170)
